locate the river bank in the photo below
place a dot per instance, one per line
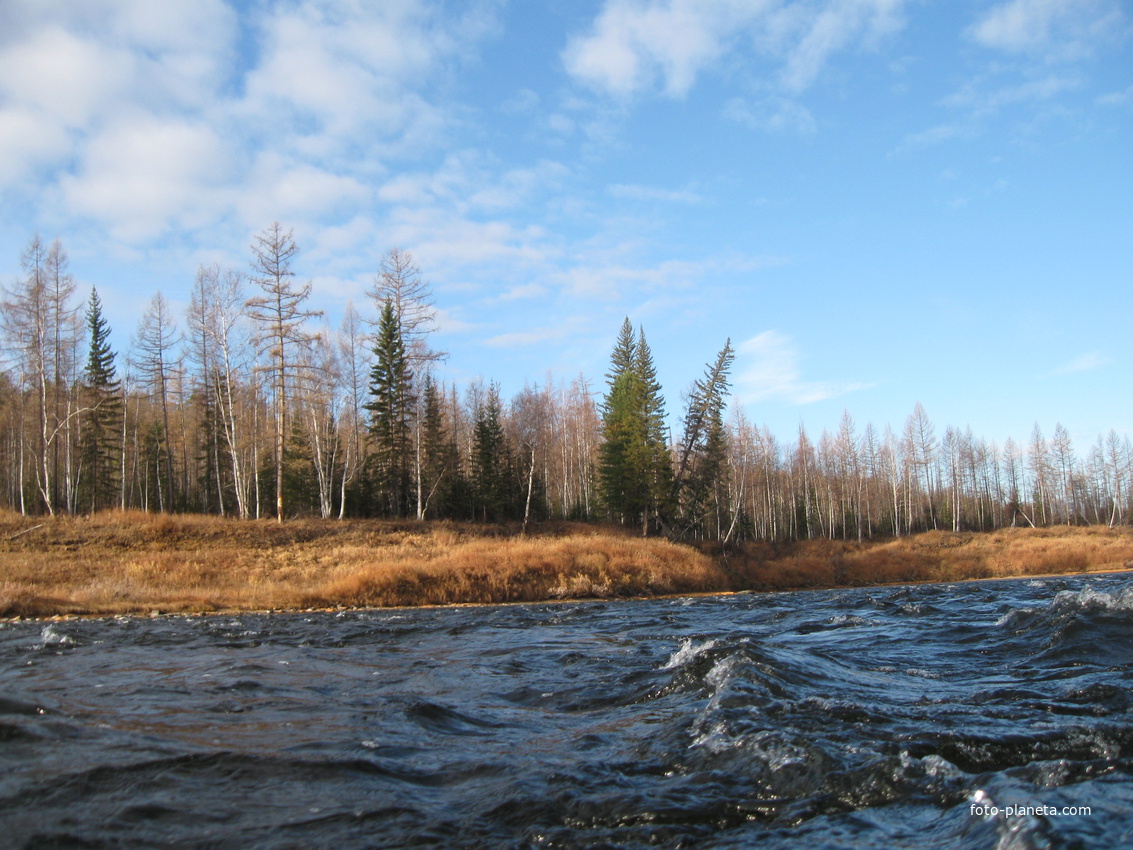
(136, 563)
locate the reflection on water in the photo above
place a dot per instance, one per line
(866, 718)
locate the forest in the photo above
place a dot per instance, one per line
(250, 406)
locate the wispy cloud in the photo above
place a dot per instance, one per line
(520, 339)
(1058, 29)
(146, 119)
(633, 192)
(1116, 98)
(1083, 363)
(771, 114)
(635, 48)
(612, 280)
(939, 134)
(770, 370)
(979, 98)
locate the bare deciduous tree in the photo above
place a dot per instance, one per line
(280, 318)
(155, 360)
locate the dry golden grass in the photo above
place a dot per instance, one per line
(132, 562)
(933, 556)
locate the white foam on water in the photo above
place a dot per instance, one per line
(1069, 602)
(50, 637)
(688, 651)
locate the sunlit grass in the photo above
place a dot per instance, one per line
(133, 562)
(934, 556)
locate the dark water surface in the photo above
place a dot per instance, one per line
(842, 719)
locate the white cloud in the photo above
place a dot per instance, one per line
(979, 101)
(562, 125)
(442, 239)
(936, 135)
(345, 81)
(281, 188)
(834, 27)
(465, 180)
(634, 43)
(140, 175)
(633, 192)
(524, 100)
(520, 339)
(26, 142)
(1066, 29)
(635, 47)
(615, 279)
(1083, 363)
(771, 114)
(66, 79)
(769, 370)
(524, 291)
(1117, 98)
(142, 116)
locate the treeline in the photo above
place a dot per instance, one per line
(248, 405)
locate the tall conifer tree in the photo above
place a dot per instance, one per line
(440, 463)
(635, 466)
(491, 461)
(391, 408)
(103, 397)
(280, 316)
(700, 478)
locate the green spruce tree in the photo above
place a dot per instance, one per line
(391, 409)
(440, 463)
(491, 462)
(701, 480)
(102, 424)
(635, 467)
(656, 461)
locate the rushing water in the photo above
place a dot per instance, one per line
(891, 717)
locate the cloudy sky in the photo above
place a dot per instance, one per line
(879, 201)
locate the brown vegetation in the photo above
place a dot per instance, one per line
(132, 562)
(931, 556)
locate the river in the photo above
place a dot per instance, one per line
(983, 715)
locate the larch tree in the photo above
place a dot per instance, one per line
(155, 360)
(203, 352)
(322, 402)
(354, 357)
(1062, 448)
(27, 345)
(66, 324)
(280, 318)
(41, 337)
(400, 283)
(531, 426)
(225, 325)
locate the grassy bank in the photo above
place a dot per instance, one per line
(137, 563)
(933, 556)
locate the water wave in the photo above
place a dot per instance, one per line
(851, 719)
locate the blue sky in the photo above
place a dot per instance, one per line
(879, 201)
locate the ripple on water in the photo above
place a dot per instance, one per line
(851, 719)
